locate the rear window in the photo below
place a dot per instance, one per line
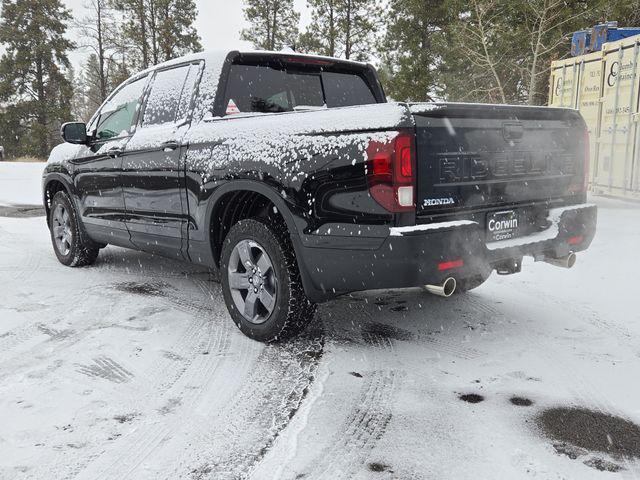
(266, 89)
(346, 89)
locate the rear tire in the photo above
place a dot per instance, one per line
(71, 244)
(261, 282)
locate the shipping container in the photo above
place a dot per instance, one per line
(605, 87)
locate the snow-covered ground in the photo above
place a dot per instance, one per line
(132, 369)
(20, 183)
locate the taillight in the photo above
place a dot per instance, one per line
(391, 173)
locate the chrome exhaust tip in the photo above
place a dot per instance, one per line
(447, 288)
(565, 262)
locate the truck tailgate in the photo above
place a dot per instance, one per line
(472, 157)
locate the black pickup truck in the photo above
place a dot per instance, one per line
(295, 178)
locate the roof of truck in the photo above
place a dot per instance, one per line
(219, 56)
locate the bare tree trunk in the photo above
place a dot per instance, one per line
(274, 26)
(348, 26)
(487, 55)
(153, 26)
(332, 29)
(167, 46)
(143, 34)
(101, 55)
(533, 71)
(42, 109)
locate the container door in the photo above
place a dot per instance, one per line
(589, 104)
(617, 144)
(564, 84)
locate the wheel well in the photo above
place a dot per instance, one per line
(52, 187)
(236, 206)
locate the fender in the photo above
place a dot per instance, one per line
(65, 180)
(283, 208)
(253, 186)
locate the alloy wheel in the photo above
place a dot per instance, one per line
(252, 281)
(62, 234)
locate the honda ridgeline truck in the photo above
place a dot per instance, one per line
(295, 178)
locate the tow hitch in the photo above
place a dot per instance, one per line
(509, 267)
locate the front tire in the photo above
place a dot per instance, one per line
(261, 282)
(70, 243)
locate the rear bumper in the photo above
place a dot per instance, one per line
(411, 257)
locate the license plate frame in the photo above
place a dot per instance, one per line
(503, 225)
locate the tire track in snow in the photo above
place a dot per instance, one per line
(365, 425)
(239, 434)
(371, 408)
(163, 381)
(18, 275)
(16, 337)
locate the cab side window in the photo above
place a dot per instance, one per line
(170, 96)
(118, 116)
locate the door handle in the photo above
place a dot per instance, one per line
(114, 152)
(170, 146)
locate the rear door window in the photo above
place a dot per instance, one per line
(267, 89)
(170, 96)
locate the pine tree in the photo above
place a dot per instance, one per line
(176, 33)
(358, 22)
(274, 24)
(32, 72)
(158, 30)
(323, 34)
(411, 51)
(342, 28)
(134, 30)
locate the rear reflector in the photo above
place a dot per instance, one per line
(405, 196)
(442, 266)
(577, 240)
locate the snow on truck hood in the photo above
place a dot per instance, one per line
(62, 152)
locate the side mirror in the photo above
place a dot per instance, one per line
(74, 132)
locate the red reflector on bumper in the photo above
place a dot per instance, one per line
(575, 240)
(449, 265)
